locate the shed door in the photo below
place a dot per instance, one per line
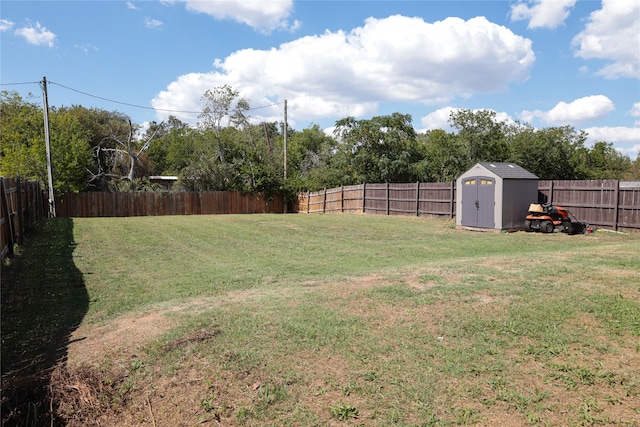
(478, 201)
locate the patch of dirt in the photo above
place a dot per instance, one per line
(124, 335)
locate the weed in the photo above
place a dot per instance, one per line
(467, 416)
(588, 409)
(137, 365)
(270, 395)
(343, 412)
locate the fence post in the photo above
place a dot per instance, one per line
(453, 199)
(342, 199)
(8, 226)
(418, 198)
(308, 201)
(19, 213)
(364, 197)
(616, 200)
(550, 192)
(387, 191)
(324, 200)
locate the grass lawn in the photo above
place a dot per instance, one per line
(308, 320)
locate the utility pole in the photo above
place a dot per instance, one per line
(286, 127)
(47, 140)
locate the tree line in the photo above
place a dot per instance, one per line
(99, 150)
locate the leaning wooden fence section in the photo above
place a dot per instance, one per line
(605, 203)
(22, 202)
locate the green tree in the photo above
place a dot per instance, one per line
(70, 154)
(310, 154)
(382, 149)
(633, 174)
(22, 137)
(603, 161)
(445, 156)
(176, 145)
(481, 134)
(23, 151)
(550, 153)
(216, 106)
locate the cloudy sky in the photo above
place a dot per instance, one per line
(544, 62)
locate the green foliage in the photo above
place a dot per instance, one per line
(23, 150)
(549, 153)
(343, 412)
(310, 159)
(602, 162)
(382, 149)
(445, 158)
(22, 137)
(482, 136)
(70, 152)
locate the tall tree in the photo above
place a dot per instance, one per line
(310, 158)
(550, 153)
(602, 161)
(382, 149)
(481, 134)
(22, 145)
(216, 106)
(445, 156)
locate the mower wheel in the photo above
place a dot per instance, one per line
(527, 226)
(546, 227)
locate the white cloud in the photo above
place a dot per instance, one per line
(581, 110)
(131, 6)
(5, 25)
(624, 139)
(152, 23)
(37, 35)
(612, 34)
(262, 15)
(349, 73)
(439, 119)
(542, 13)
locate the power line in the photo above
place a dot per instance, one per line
(127, 103)
(19, 83)
(120, 102)
(142, 106)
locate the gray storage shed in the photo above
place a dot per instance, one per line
(495, 196)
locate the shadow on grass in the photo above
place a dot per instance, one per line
(44, 299)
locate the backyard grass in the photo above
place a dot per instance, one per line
(308, 320)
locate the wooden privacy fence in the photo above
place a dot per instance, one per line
(418, 198)
(102, 204)
(22, 202)
(605, 203)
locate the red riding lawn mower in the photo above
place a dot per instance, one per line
(548, 218)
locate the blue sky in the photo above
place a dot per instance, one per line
(544, 62)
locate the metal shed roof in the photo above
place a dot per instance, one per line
(508, 170)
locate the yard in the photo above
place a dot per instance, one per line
(306, 320)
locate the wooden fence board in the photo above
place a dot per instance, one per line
(101, 204)
(22, 203)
